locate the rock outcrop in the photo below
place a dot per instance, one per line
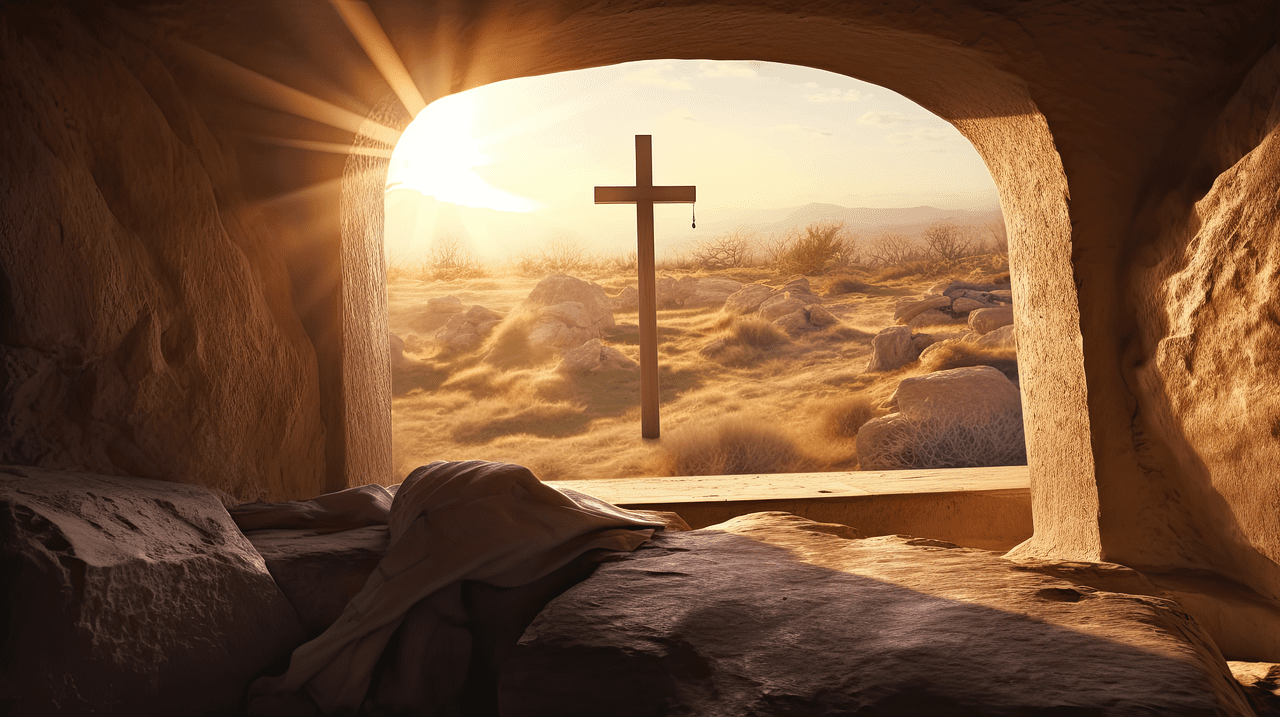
(564, 312)
(770, 613)
(130, 596)
(594, 356)
(892, 348)
(960, 417)
(466, 330)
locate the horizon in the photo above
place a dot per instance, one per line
(758, 140)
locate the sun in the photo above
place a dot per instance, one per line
(437, 154)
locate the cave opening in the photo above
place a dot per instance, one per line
(830, 211)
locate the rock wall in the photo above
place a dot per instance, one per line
(147, 326)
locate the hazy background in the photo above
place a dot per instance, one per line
(506, 167)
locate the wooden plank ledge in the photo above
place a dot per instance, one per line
(987, 508)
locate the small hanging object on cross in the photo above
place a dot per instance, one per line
(694, 207)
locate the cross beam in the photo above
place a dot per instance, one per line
(644, 195)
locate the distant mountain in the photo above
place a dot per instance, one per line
(865, 221)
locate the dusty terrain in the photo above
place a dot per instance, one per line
(793, 405)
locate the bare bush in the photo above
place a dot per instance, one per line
(450, 260)
(819, 248)
(727, 251)
(891, 249)
(947, 241)
(562, 255)
(626, 261)
(997, 237)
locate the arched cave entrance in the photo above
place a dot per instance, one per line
(758, 390)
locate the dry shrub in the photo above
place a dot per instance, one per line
(820, 248)
(756, 333)
(730, 446)
(727, 251)
(922, 268)
(958, 354)
(450, 260)
(947, 241)
(847, 285)
(843, 418)
(890, 249)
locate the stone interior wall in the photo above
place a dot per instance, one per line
(146, 321)
(1134, 149)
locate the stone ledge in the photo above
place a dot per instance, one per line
(988, 508)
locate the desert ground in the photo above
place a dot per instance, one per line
(738, 394)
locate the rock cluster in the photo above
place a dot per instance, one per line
(467, 329)
(969, 416)
(792, 307)
(770, 613)
(895, 347)
(564, 312)
(951, 302)
(594, 356)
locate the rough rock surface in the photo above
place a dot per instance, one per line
(984, 321)
(968, 416)
(711, 291)
(770, 613)
(908, 310)
(594, 356)
(626, 300)
(747, 300)
(563, 312)
(146, 320)
(779, 305)
(320, 572)
(466, 330)
(892, 348)
(130, 596)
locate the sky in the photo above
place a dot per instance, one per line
(509, 166)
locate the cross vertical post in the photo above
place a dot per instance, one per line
(644, 195)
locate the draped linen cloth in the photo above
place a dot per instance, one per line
(471, 520)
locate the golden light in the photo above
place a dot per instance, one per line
(437, 156)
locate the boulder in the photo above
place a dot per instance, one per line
(963, 306)
(795, 322)
(443, 305)
(892, 348)
(1005, 337)
(819, 316)
(594, 356)
(747, 300)
(320, 572)
(984, 321)
(466, 330)
(711, 291)
(907, 310)
(780, 305)
(961, 417)
(564, 312)
(770, 613)
(626, 300)
(130, 596)
(672, 292)
(933, 317)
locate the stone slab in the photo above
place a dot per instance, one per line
(774, 614)
(130, 596)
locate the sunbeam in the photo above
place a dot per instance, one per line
(360, 20)
(284, 98)
(330, 147)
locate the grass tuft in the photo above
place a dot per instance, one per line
(730, 446)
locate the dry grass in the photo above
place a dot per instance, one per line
(958, 354)
(504, 401)
(730, 446)
(844, 417)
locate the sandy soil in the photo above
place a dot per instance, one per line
(580, 427)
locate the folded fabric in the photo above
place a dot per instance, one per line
(472, 520)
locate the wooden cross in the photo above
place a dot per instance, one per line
(644, 195)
